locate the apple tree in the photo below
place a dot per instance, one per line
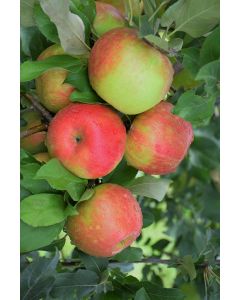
(119, 120)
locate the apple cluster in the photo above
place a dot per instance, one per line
(90, 140)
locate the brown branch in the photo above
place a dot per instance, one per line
(45, 113)
(33, 130)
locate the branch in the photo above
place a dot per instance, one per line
(45, 113)
(33, 130)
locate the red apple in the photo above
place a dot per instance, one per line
(127, 72)
(158, 140)
(107, 223)
(52, 91)
(107, 18)
(88, 139)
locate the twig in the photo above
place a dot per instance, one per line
(33, 130)
(45, 113)
(30, 108)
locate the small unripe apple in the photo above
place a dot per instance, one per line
(42, 157)
(127, 72)
(35, 142)
(107, 223)
(137, 6)
(52, 91)
(158, 140)
(107, 18)
(88, 139)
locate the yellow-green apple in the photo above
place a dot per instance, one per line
(42, 157)
(106, 223)
(137, 6)
(35, 142)
(158, 140)
(52, 91)
(107, 18)
(127, 72)
(88, 139)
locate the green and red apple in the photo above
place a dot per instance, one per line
(137, 6)
(106, 223)
(88, 139)
(107, 18)
(127, 72)
(53, 93)
(158, 140)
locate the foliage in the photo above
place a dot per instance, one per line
(180, 210)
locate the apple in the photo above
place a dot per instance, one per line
(127, 72)
(35, 142)
(50, 87)
(137, 6)
(107, 18)
(107, 223)
(88, 139)
(42, 157)
(158, 140)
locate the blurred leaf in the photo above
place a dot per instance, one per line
(42, 210)
(160, 245)
(141, 295)
(193, 17)
(148, 218)
(148, 186)
(184, 79)
(26, 12)
(88, 8)
(187, 265)
(156, 292)
(33, 69)
(80, 283)
(87, 194)
(92, 263)
(84, 97)
(61, 179)
(129, 254)
(59, 244)
(71, 29)
(47, 28)
(38, 277)
(144, 26)
(210, 49)
(194, 108)
(157, 41)
(33, 238)
(191, 60)
(176, 44)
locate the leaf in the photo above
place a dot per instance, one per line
(38, 277)
(148, 186)
(157, 41)
(33, 238)
(210, 49)
(176, 44)
(191, 60)
(194, 108)
(84, 97)
(26, 12)
(141, 295)
(61, 179)
(160, 245)
(88, 194)
(70, 26)
(129, 254)
(44, 24)
(187, 265)
(156, 292)
(144, 26)
(80, 283)
(92, 263)
(193, 17)
(88, 8)
(42, 210)
(148, 218)
(32, 69)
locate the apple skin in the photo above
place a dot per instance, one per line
(88, 139)
(35, 142)
(42, 157)
(107, 223)
(107, 18)
(52, 92)
(127, 72)
(158, 140)
(119, 4)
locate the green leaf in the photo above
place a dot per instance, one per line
(176, 44)
(191, 60)
(157, 41)
(71, 29)
(141, 295)
(42, 210)
(210, 49)
(87, 194)
(148, 218)
(33, 69)
(129, 254)
(194, 108)
(84, 97)
(33, 238)
(61, 179)
(88, 8)
(80, 284)
(44, 24)
(145, 28)
(148, 186)
(160, 245)
(92, 263)
(187, 265)
(156, 292)
(193, 17)
(26, 12)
